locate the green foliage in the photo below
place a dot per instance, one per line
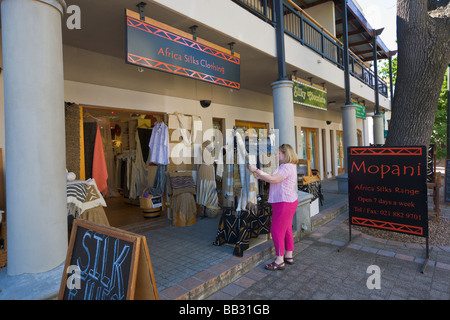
(439, 135)
(383, 71)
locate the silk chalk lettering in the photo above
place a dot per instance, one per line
(103, 280)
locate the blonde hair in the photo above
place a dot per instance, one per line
(289, 153)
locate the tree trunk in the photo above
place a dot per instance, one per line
(423, 56)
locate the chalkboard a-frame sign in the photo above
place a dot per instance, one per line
(106, 263)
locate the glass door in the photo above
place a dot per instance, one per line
(309, 144)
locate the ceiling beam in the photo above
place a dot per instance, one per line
(354, 44)
(351, 33)
(302, 4)
(339, 21)
(316, 3)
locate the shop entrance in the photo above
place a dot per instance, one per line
(124, 135)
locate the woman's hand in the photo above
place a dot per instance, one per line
(252, 168)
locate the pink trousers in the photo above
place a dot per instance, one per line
(281, 227)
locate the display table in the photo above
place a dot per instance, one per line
(239, 229)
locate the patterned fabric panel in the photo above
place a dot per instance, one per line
(239, 229)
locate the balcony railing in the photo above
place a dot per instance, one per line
(309, 33)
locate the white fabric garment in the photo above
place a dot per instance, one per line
(197, 136)
(229, 155)
(159, 144)
(139, 172)
(248, 181)
(248, 194)
(206, 186)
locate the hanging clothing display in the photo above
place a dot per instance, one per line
(225, 171)
(189, 129)
(206, 186)
(240, 183)
(144, 136)
(99, 169)
(139, 172)
(248, 218)
(105, 132)
(89, 133)
(267, 153)
(96, 132)
(160, 181)
(159, 144)
(124, 164)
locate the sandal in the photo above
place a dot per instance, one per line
(289, 260)
(274, 266)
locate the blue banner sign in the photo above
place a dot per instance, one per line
(153, 47)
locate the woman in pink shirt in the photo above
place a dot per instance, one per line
(283, 198)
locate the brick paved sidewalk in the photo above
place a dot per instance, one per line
(321, 272)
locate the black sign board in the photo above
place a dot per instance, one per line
(152, 45)
(387, 188)
(105, 263)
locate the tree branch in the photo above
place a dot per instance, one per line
(440, 18)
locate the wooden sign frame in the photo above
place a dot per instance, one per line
(140, 283)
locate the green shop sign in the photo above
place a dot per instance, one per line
(360, 111)
(309, 95)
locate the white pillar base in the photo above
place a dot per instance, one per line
(34, 135)
(378, 129)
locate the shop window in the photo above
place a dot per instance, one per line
(309, 144)
(243, 126)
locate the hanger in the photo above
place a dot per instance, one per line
(144, 126)
(87, 114)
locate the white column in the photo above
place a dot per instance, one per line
(283, 111)
(349, 128)
(34, 134)
(350, 140)
(378, 129)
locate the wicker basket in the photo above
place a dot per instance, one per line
(151, 205)
(213, 212)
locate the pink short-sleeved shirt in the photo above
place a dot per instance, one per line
(286, 190)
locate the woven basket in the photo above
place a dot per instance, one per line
(150, 206)
(213, 212)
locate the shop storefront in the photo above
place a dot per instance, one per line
(200, 92)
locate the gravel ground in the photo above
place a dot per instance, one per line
(438, 232)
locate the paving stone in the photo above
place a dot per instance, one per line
(320, 272)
